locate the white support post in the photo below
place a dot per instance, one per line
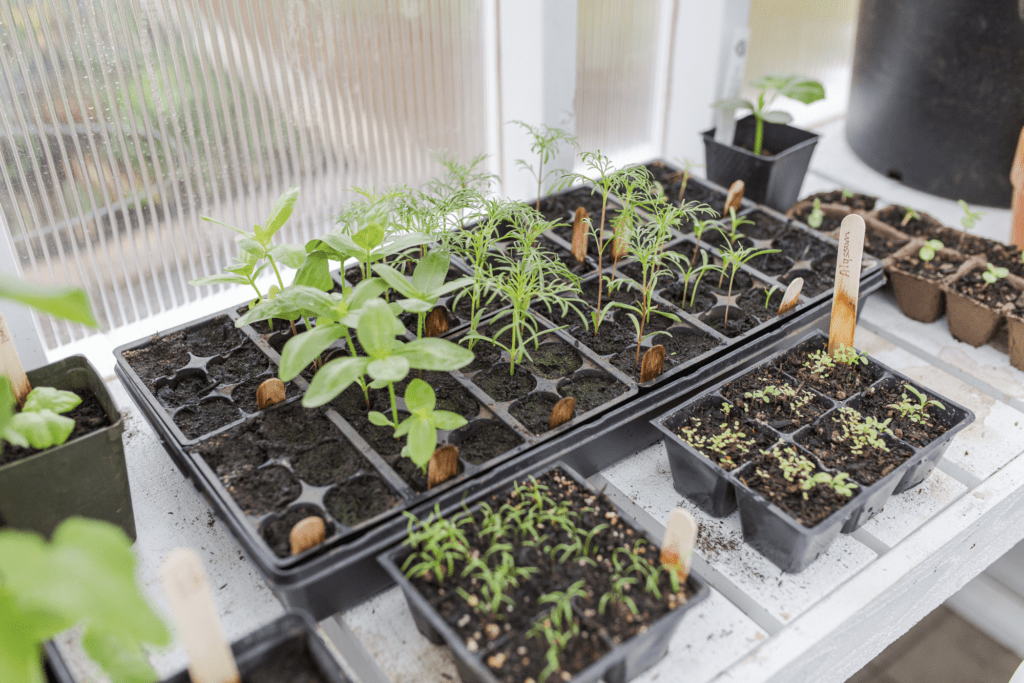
(537, 70)
(20, 321)
(704, 36)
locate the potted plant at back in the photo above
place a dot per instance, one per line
(767, 154)
(60, 443)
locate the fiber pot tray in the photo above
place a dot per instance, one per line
(735, 428)
(613, 643)
(287, 650)
(85, 476)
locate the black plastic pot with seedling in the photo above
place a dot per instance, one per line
(768, 155)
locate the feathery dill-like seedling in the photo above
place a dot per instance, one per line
(546, 143)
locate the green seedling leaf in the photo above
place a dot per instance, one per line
(48, 398)
(419, 397)
(291, 255)
(333, 378)
(929, 249)
(391, 369)
(251, 246)
(430, 272)
(315, 271)
(733, 103)
(376, 328)
(435, 354)
(806, 91)
(40, 429)
(369, 238)
(279, 215)
(303, 349)
(778, 116)
(378, 418)
(220, 279)
(69, 303)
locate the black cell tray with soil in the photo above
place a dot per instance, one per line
(620, 662)
(720, 490)
(287, 650)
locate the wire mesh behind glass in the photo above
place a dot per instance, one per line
(123, 121)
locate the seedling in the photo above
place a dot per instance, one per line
(620, 586)
(557, 641)
(688, 165)
(730, 437)
(915, 411)
(40, 425)
(840, 483)
(425, 288)
(245, 270)
(969, 220)
(784, 393)
(821, 364)
(702, 226)
(732, 258)
(421, 426)
(859, 433)
(768, 296)
(796, 88)
(909, 216)
(846, 194)
(461, 188)
(992, 274)
(692, 270)
(816, 216)
(929, 249)
(546, 143)
(735, 222)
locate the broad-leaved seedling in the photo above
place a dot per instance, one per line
(797, 88)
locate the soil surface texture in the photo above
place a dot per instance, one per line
(828, 223)
(836, 379)
(534, 411)
(484, 440)
(939, 268)
(592, 389)
(721, 433)
(290, 662)
(867, 465)
(997, 295)
(862, 202)
(916, 227)
(807, 507)
(771, 398)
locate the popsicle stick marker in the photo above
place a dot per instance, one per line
(270, 393)
(580, 228)
(10, 364)
(195, 617)
(792, 295)
(437, 322)
(443, 465)
(1017, 180)
(562, 412)
(734, 198)
(307, 533)
(844, 299)
(653, 363)
(680, 537)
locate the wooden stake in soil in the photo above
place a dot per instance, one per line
(1017, 180)
(844, 299)
(792, 295)
(10, 364)
(580, 229)
(270, 393)
(307, 533)
(444, 464)
(562, 412)
(195, 616)
(680, 537)
(653, 363)
(437, 322)
(734, 198)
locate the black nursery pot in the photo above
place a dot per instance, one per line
(85, 476)
(774, 533)
(622, 663)
(773, 180)
(287, 645)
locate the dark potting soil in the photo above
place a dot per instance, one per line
(807, 507)
(261, 490)
(450, 393)
(534, 411)
(481, 441)
(382, 439)
(685, 343)
(840, 381)
(828, 223)
(703, 300)
(359, 499)
(591, 389)
(786, 409)
(501, 385)
(88, 415)
(329, 462)
(772, 264)
(862, 202)
(556, 252)
(186, 388)
(485, 353)
(710, 421)
(719, 239)
(765, 227)
(411, 473)
(290, 662)
(242, 363)
(611, 337)
(201, 418)
(731, 323)
(244, 393)
(563, 207)
(672, 181)
(923, 227)
(463, 308)
(866, 467)
(939, 268)
(720, 285)
(814, 283)
(996, 296)
(877, 400)
(516, 657)
(276, 531)
(882, 247)
(1001, 255)
(554, 359)
(620, 293)
(164, 355)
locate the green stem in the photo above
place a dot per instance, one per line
(362, 382)
(259, 297)
(394, 405)
(273, 264)
(419, 325)
(758, 134)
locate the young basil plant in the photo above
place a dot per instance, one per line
(245, 270)
(991, 275)
(929, 249)
(420, 428)
(40, 425)
(797, 88)
(425, 288)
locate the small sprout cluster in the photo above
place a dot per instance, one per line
(859, 432)
(820, 363)
(783, 393)
(798, 469)
(730, 437)
(969, 220)
(910, 215)
(914, 410)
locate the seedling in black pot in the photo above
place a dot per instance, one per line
(796, 88)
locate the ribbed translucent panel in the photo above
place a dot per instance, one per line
(123, 121)
(618, 94)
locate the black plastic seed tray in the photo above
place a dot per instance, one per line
(766, 527)
(292, 637)
(622, 663)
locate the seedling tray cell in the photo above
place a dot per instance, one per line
(622, 662)
(776, 534)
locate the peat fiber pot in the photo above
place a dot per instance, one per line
(1015, 331)
(773, 179)
(84, 476)
(919, 299)
(970, 321)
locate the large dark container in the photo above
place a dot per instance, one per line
(937, 99)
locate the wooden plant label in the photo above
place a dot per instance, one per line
(436, 323)
(734, 198)
(1017, 180)
(195, 616)
(444, 464)
(307, 533)
(270, 393)
(844, 299)
(562, 412)
(653, 363)
(680, 537)
(10, 364)
(792, 295)
(580, 229)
